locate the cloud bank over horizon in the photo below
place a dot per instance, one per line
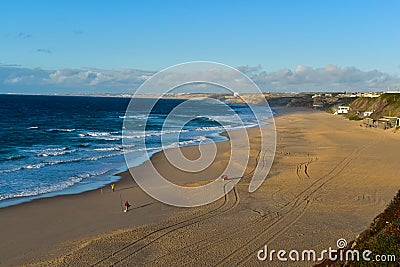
(14, 79)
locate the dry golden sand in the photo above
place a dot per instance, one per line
(330, 178)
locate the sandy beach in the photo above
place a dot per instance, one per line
(329, 179)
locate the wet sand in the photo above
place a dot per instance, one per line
(330, 178)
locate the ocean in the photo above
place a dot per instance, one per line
(56, 145)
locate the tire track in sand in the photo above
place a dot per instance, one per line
(289, 215)
(174, 227)
(119, 256)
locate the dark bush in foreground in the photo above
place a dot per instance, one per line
(382, 237)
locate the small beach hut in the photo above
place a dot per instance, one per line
(392, 121)
(343, 110)
(383, 123)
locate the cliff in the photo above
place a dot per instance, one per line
(384, 105)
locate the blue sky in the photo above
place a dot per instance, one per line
(152, 35)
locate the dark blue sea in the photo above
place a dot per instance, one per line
(54, 145)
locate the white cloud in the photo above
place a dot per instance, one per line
(25, 80)
(301, 78)
(304, 78)
(57, 76)
(13, 80)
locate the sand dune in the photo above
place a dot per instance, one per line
(330, 178)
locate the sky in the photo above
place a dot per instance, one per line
(101, 46)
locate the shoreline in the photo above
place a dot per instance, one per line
(66, 222)
(123, 186)
(121, 172)
(70, 191)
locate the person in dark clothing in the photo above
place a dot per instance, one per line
(127, 205)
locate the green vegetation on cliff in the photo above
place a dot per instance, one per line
(384, 105)
(382, 237)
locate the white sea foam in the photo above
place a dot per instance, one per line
(227, 118)
(53, 187)
(10, 170)
(55, 152)
(138, 134)
(101, 157)
(56, 162)
(42, 190)
(211, 128)
(61, 130)
(114, 138)
(34, 166)
(116, 148)
(97, 134)
(141, 117)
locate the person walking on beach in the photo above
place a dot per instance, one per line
(113, 187)
(127, 205)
